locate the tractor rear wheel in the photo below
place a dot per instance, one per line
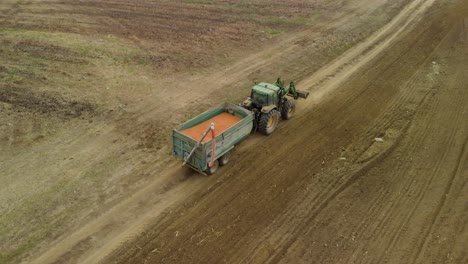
(225, 158)
(213, 169)
(288, 110)
(268, 122)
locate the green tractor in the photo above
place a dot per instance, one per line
(270, 102)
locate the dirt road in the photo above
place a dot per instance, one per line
(327, 194)
(330, 193)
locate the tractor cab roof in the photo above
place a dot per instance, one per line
(265, 88)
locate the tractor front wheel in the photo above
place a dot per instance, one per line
(268, 122)
(288, 110)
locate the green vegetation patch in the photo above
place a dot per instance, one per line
(69, 66)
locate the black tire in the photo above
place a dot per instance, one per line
(268, 122)
(289, 108)
(212, 170)
(225, 158)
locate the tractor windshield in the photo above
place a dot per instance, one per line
(260, 99)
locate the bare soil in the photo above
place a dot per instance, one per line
(90, 90)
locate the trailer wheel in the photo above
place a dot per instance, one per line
(212, 170)
(225, 158)
(268, 122)
(288, 110)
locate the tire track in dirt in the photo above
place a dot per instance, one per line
(404, 197)
(428, 128)
(458, 116)
(420, 76)
(425, 132)
(373, 232)
(456, 174)
(422, 193)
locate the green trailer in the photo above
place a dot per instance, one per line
(224, 126)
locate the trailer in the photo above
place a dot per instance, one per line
(205, 142)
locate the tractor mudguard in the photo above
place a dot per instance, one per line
(268, 108)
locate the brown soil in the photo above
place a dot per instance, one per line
(221, 122)
(90, 91)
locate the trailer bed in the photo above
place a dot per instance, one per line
(222, 122)
(233, 124)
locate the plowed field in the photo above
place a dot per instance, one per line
(373, 167)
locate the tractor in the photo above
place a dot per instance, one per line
(270, 102)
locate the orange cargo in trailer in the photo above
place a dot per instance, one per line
(222, 122)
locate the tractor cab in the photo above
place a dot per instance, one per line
(264, 94)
